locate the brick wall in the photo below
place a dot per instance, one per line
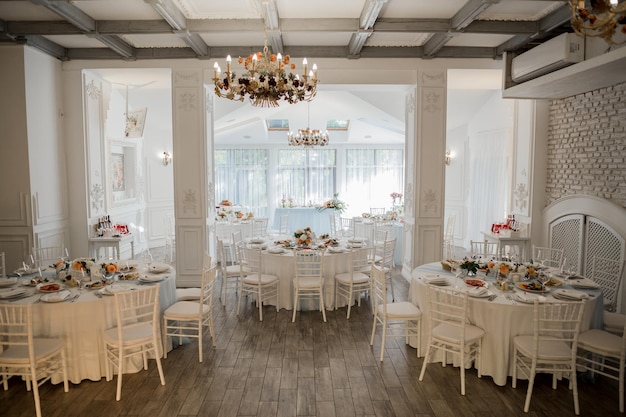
(587, 145)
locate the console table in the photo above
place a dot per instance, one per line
(113, 242)
(522, 242)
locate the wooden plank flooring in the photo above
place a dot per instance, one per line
(276, 368)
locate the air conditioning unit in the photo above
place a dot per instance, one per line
(557, 53)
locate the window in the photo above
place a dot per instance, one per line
(306, 175)
(335, 124)
(372, 175)
(277, 124)
(241, 177)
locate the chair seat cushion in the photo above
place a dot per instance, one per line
(184, 310)
(132, 335)
(452, 332)
(552, 350)
(19, 354)
(187, 294)
(347, 277)
(308, 282)
(232, 270)
(265, 279)
(401, 310)
(614, 322)
(599, 341)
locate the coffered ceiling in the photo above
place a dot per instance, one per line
(352, 29)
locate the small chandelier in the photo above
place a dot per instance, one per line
(308, 137)
(599, 18)
(266, 81)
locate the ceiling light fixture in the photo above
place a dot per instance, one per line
(308, 137)
(599, 19)
(266, 80)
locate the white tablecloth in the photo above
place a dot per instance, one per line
(82, 323)
(500, 318)
(283, 266)
(301, 217)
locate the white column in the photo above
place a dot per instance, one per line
(190, 179)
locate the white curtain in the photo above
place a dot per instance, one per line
(489, 173)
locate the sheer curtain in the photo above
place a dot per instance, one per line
(488, 181)
(307, 175)
(241, 177)
(371, 176)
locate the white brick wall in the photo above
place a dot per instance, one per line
(587, 145)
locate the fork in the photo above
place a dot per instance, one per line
(508, 297)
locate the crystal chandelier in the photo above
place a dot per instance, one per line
(599, 19)
(308, 137)
(265, 80)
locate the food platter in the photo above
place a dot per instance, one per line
(49, 287)
(475, 282)
(533, 287)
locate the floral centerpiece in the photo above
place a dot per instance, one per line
(303, 237)
(335, 204)
(469, 265)
(396, 196)
(110, 268)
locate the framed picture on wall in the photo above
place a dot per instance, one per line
(117, 172)
(135, 122)
(121, 173)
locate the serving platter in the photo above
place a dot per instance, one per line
(531, 288)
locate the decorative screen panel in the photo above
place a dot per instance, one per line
(567, 233)
(601, 240)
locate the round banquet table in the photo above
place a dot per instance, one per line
(81, 324)
(283, 266)
(502, 319)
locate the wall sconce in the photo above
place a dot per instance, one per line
(448, 156)
(167, 158)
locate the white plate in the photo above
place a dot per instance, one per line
(275, 250)
(157, 268)
(113, 288)
(356, 240)
(7, 282)
(582, 283)
(332, 249)
(567, 294)
(436, 280)
(529, 298)
(42, 287)
(8, 293)
(55, 297)
(152, 278)
(257, 240)
(480, 293)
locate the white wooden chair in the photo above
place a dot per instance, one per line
(451, 331)
(259, 226)
(355, 281)
(484, 250)
(602, 352)
(46, 256)
(607, 274)
(229, 273)
(136, 332)
(193, 293)
(377, 211)
(448, 237)
(548, 256)
(32, 358)
(190, 318)
(308, 282)
(3, 268)
(253, 280)
(401, 319)
(347, 226)
(551, 348)
(170, 239)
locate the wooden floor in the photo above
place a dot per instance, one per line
(307, 368)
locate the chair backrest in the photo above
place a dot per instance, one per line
(482, 249)
(448, 305)
(223, 231)
(237, 240)
(347, 226)
(208, 286)
(46, 256)
(309, 264)
(3, 268)
(333, 224)
(386, 253)
(379, 288)
(16, 328)
(380, 236)
(557, 322)
(283, 227)
(548, 256)
(259, 226)
(137, 307)
(221, 255)
(450, 222)
(359, 259)
(607, 274)
(377, 211)
(250, 261)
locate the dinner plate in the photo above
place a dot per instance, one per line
(56, 297)
(152, 278)
(276, 250)
(113, 288)
(96, 285)
(257, 240)
(356, 240)
(8, 293)
(333, 249)
(49, 287)
(7, 282)
(525, 287)
(529, 298)
(584, 283)
(475, 282)
(157, 268)
(436, 280)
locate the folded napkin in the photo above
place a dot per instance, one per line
(478, 292)
(566, 294)
(435, 279)
(56, 296)
(11, 292)
(582, 282)
(158, 267)
(276, 250)
(152, 278)
(7, 282)
(113, 288)
(530, 298)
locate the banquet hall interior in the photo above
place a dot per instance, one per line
(453, 119)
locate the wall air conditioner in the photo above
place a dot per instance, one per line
(558, 52)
